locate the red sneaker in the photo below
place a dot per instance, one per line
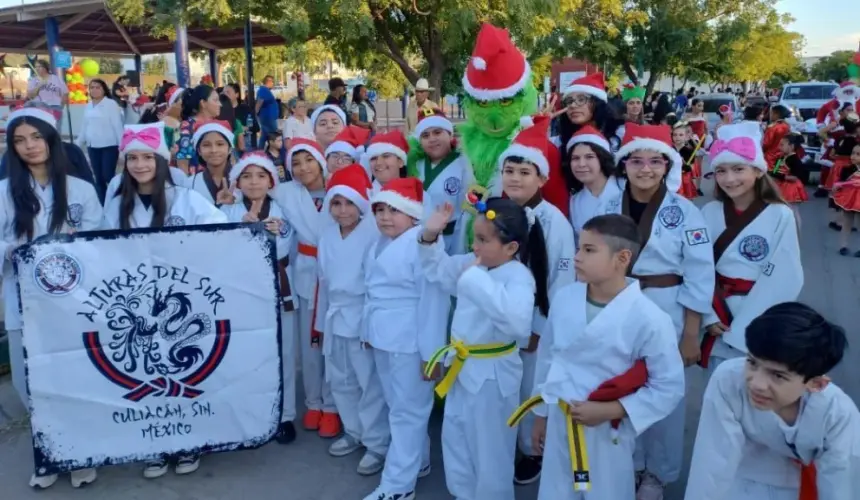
(312, 420)
(329, 425)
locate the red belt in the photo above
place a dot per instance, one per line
(808, 481)
(623, 385)
(308, 250)
(316, 335)
(726, 287)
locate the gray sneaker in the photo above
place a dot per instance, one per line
(344, 446)
(371, 463)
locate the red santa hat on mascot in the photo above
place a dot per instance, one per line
(497, 68)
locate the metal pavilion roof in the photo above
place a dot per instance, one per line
(87, 28)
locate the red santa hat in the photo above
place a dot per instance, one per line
(390, 142)
(350, 140)
(497, 69)
(203, 128)
(589, 135)
(173, 94)
(309, 146)
(38, 112)
(147, 137)
(593, 85)
(353, 184)
(532, 144)
(328, 107)
(254, 159)
(432, 118)
(404, 194)
(653, 138)
(847, 93)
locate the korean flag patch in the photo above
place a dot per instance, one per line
(768, 269)
(564, 264)
(697, 236)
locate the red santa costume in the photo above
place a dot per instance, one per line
(699, 127)
(847, 93)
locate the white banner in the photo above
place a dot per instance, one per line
(149, 342)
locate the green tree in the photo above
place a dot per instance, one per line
(385, 77)
(110, 66)
(832, 67)
(156, 65)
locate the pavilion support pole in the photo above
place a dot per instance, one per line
(52, 34)
(213, 67)
(249, 71)
(138, 68)
(180, 48)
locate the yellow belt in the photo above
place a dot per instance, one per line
(463, 351)
(575, 441)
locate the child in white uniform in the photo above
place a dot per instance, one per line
(255, 175)
(608, 368)
(405, 321)
(350, 369)
(38, 182)
(496, 292)
(213, 141)
(347, 148)
(773, 426)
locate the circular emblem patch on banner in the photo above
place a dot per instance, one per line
(452, 185)
(671, 216)
(57, 274)
(174, 220)
(754, 248)
(76, 214)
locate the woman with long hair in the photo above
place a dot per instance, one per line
(362, 110)
(38, 198)
(101, 132)
(200, 104)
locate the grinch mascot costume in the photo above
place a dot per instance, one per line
(499, 93)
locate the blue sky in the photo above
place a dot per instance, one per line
(829, 25)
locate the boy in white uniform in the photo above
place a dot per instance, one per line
(608, 366)
(772, 425)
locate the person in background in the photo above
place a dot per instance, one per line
(277, 153)
(422, 100)
(298, 124)
(337, 95)
(680, 102)
(662, 109)
(361, 111)
(228, 115)
(101, 132)
(240, 108)
(46, 87)
(267, 109)
(119, 91)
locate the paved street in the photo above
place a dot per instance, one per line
(304, 471)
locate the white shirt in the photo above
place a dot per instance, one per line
(102, 125)
(293, 128)
(52, 90)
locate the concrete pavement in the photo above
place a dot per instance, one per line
(304, 471)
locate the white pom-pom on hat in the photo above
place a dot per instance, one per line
(479, 63)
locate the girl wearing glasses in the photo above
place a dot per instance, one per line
(346, 149)
(675, 270)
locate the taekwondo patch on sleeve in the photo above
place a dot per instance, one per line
(697, 236)
(671, 216)
(564, 264)
(767, 270)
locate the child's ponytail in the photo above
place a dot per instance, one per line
(534, 255)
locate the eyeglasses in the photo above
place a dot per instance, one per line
(575, 101)
(639, 163)
(342, 159)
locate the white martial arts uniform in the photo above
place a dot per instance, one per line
(184, 208)
(197, 182)
(494, 306)
(284, 242)
(349, 367)
(301, 211)
(560, 249)
(176, 174)
(576, 356)
(767, 252)
(447, 182)
(585, 205)
(405, 321)
(679, 244)
(84, 214)
(742, 453)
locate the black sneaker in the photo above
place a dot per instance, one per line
(843, 251)
(820, 193)
(286, 433)
(528, 470)
(834, 226)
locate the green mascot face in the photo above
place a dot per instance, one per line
(500, 118)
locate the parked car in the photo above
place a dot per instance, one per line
(713, 103)
(806, 98)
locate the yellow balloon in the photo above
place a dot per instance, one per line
(89, 68)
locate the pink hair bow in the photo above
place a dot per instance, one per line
(741, 146)
(150, 136)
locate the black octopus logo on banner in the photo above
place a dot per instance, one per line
(159, 346)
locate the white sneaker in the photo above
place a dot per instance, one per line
(424, 471)
(42, 482)
(344, 446)
(186, 464)
(83, 477)
(650, 488)
(370, 464)
(379, 494)
(155, 469)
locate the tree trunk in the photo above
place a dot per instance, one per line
(653, 78)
